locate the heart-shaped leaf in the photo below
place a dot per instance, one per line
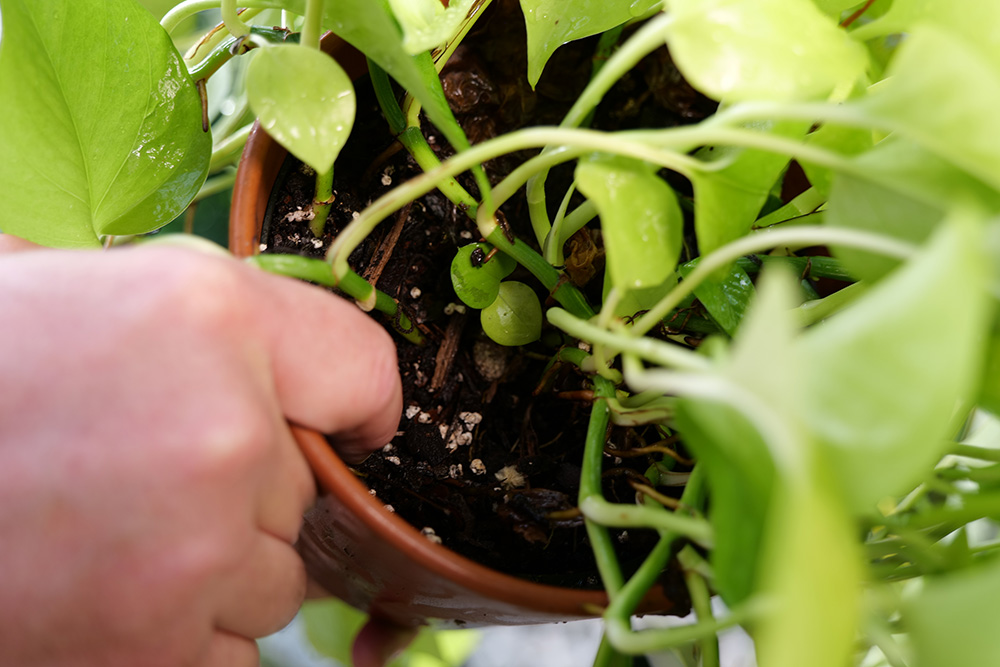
(102, 124)
(304, 99)
(476, 280)
(552, 23)
(515, 317)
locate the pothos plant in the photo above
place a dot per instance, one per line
(845, 489)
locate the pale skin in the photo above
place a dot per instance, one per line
(150, 489)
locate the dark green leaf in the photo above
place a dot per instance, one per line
(726, 299)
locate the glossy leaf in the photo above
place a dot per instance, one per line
(726, 299)
(728, 200)
(428, 23)
(102, 124)
(515, 317)
(370, 27)
(766, 50)
(552, 23)
(926, 98)
(952, 619)
(641, 220)
(475, 280)
(304, 99)
(882, 430)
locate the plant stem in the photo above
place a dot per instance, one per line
(229, 149)
(218, 183)
(590, 487)
(975, 452)
(312, 24)
(701, 601)
(322, 201)
(318, 271)
(652, 350)
(231, 17)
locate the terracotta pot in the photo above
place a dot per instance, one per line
(351, 544)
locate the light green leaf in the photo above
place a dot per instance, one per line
(552, 23)
(836, 139)
(858, 204)
(515, 317)
(811, 575)
(835, 7)
(740, 463)
(331, 625)
(973, 22)
(766, 50)
(159, 7)
(728, 200)
(881, 390)
(429, 23)
(906, 167)
(370, 27)
(102, 124)
(927, 99)
(952, 620)
(640, 219)
(304, 99)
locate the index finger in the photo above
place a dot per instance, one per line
(335, 369)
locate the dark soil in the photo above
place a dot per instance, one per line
(488, 451)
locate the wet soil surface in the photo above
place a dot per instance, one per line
(487, 457)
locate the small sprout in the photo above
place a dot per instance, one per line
(511, 478)
(515, 318)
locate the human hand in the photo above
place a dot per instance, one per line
(150, 491)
